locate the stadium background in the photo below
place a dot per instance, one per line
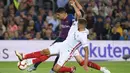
(29, 25)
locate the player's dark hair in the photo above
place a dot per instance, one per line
(60, 10)
(82, 21)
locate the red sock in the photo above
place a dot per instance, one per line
(40, 59)
(32, 55)
(65, 69)
(91, 64)
(82, 63)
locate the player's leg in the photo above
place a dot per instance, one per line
(37, 54)
(30, 61)
(90, 63)
(62, 69)
(80, 60)
(63, 57)
(59, 39)
(34, 67)
(56, 60)
(59, 68)
(49, 51)
(54, 49)
(37, 64)
(52, 71)
(37, 61)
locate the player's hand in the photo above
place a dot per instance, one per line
(85, 67)
(71, 2)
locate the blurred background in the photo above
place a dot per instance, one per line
(23, 20)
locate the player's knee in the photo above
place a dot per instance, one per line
(55, 69)
(45, 52)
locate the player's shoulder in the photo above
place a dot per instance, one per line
(83, 33)
(71, 16)
(87, 31)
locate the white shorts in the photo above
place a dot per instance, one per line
(64, 53)
(55, 48)
(61, 49)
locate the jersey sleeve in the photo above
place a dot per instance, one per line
(84, 39)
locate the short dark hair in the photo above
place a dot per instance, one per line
(61, 10)
(82, 21)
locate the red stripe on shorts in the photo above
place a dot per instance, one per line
(77, 46)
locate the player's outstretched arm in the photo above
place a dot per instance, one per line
(80, 8)
(78, 5)
(77, 11)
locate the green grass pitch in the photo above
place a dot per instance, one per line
(114, 67)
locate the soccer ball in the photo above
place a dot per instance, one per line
(22, 65)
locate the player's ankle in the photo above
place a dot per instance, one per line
(73, 69)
